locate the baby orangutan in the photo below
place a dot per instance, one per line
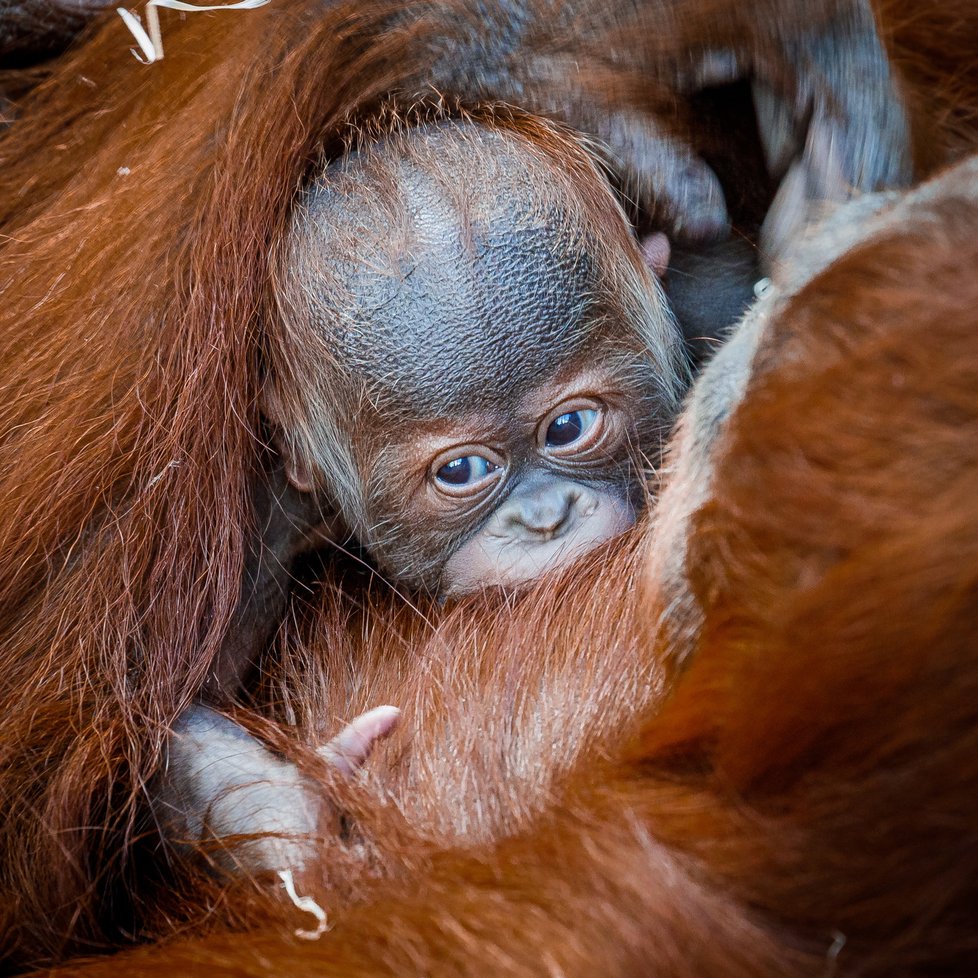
(473, 358)
(470, 369)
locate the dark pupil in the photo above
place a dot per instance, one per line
(457, 472)
(565, 429)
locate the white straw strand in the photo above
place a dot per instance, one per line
(307, 905)
(150, 38)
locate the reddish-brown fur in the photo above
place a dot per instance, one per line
(735, 836)
(801, 802)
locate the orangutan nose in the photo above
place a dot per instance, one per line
(546, 511)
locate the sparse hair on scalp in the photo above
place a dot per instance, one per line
(363, 220)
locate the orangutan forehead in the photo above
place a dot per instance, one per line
(462, 325)
(438, 294)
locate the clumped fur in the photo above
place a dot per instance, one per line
(797, 798)
(140, 210)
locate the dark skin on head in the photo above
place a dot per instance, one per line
(485, 364)
(473, 375)
(471, 379)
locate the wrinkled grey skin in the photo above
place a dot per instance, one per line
(446, 303)
(477, 304)
(462, 305)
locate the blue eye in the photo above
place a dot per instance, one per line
(569, 427)
(465, 471)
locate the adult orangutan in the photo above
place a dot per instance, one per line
(801, 798)
(141, 210)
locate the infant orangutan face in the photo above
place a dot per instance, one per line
(510, 492)
(491, 360)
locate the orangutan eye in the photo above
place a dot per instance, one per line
(570, 427)
(465, 471)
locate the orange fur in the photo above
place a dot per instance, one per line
(139, 211)
(801, 801)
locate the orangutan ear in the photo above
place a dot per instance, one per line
(297, 470)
